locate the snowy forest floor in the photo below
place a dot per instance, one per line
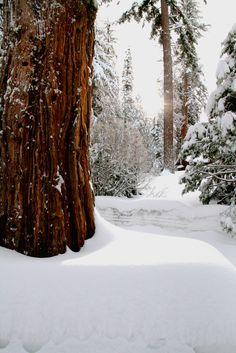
(162, 209)
(163, 281)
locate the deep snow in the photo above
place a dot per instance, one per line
(164, 210)
(127, 291)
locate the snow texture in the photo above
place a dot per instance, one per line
(222, 70)
(226, 122)
(59, 180)
(127, 291)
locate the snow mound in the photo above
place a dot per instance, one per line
(124, 292)
(167, 186)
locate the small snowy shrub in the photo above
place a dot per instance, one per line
(228, 220)
(118, 159)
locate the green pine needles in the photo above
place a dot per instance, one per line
(210, 147)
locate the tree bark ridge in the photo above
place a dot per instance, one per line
(46, 197)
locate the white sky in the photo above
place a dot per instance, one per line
(147, 54)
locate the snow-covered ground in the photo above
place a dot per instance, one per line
(148, 287)
(164, 210)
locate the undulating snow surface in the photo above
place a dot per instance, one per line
(128, 290)
(164, 210)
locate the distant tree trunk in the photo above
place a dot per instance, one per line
(168, 90)
(184, 127)
(46, 202)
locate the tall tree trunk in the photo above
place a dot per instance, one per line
(168, 89)
(46, 202)
(184, 127)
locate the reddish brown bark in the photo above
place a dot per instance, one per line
(168, 89)
(46, 198)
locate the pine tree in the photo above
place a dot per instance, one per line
(46, 201)
(106, 110)
(132, 109)
(161, 17)
(128, 107)
(212, 146)
(168, 88)
(190, 91)
(157, 145)
(149, 10)
(105, 80)
(118, 152)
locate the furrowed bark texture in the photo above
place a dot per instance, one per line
(168, 90)
(46, 200)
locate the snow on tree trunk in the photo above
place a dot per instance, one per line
(46, 202)
(168, 89)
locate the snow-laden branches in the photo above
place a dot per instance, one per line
(210, 147)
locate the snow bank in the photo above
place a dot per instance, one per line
(167, 186)
(125, 292)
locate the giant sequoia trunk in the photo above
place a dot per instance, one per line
(168, 89)
(46, 202)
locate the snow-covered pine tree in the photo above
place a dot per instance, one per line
(134, 116)
(132, 110)
(157, 144)
(128, 106)
(190, 93)
(118, 154)
(106, 109)
(150, 11)
(211, 147)
(105, 82)
(145, 126)
(161, 13)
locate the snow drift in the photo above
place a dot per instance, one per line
(125, 292)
